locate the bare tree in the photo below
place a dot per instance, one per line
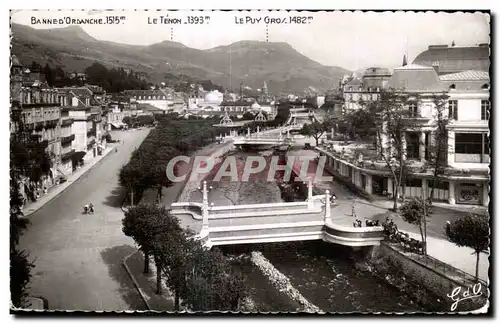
(438, 147)
(391, 111)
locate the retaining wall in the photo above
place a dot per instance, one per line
(426, 277)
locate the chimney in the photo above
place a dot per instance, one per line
(435, 65)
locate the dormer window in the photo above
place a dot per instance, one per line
(485, 86)
(452, 87)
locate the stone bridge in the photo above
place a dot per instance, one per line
(277, 222)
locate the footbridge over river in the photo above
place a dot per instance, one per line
(277, 222)
(274, 137)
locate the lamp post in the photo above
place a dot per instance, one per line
(204, 190)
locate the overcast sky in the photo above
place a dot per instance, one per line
(352, 40)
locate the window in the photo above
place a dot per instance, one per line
(485, 109)
(413, 109)
(468, 143)
(486, 144)
(412, 145)
(413, 183)
(453, 109)
(453, 87)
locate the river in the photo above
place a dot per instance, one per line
(323, 273)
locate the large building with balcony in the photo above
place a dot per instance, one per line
(466, 176)
(37, 108)
(78, 105)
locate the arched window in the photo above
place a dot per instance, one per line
(452, 87)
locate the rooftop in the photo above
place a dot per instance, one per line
(376, 71)
(469, 75)
(452, 59)
(415, 78)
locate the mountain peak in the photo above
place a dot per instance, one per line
(72, 31)
(167, 43)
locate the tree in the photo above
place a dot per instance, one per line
(472, 231)
(315, 129)
(144, 223)
(211, 283)
(20, 266)
(130, 176)
(29, 157)
(415, 212)
(391, 119)
(166, 244)
(248, 116)
(30, 161)
(437, 157)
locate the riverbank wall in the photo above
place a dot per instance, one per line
(217, 156)
(423, 283)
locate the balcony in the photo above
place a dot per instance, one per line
(67, 122)
(66, 156)
(38, 125)
(51, 123)
(40, 105)
(67, 139)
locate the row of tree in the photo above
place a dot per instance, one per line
(203, 279)
(139, 121)
(172, 137)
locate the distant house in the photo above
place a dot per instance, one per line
(164, 99)
(241, 106)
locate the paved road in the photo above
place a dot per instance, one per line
(78, 257)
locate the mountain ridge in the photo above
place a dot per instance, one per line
(247, 61)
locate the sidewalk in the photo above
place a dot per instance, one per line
(438, 246)
(146, 284)
(57, 189)
(386, 204)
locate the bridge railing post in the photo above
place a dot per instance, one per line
(309, 193)
(205, 207)
(327, 206)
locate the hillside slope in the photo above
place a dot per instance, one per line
(251, 62)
